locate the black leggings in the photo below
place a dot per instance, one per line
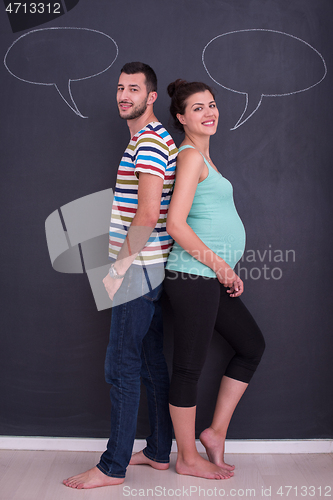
(199, 306)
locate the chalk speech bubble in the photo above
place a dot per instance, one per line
(59, 56)
(262, 63)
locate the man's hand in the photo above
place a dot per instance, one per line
(112, 285)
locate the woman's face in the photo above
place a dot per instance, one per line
(201, 114)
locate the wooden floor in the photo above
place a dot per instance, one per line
(37, 475)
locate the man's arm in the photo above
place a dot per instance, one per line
(149, 202)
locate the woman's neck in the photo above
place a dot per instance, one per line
(200, 143)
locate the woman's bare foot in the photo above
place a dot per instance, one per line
(92, 478)
(200, 467)
(214, 444)
(140, 458)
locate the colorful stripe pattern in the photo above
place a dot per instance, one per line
(153, 151)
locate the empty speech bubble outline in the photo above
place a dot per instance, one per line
(241, 121)
(69, 99)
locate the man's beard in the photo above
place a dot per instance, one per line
(136, 111)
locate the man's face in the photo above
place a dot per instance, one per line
(132, 96)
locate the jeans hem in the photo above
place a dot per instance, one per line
(154, 459)
(117, 476)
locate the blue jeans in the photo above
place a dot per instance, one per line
(136, 350)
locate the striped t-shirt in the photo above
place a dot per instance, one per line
(151, 150)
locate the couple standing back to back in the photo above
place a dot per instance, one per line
(139, 247)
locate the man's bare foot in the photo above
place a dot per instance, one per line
(140, 458)
(214, 444)
(200, 467)
(92, 478)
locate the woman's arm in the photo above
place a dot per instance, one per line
(190, 169)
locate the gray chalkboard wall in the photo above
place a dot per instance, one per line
(270, 62)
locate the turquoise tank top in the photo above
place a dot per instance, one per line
(214, 218)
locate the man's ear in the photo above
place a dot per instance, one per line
(152, 96)
(181, 119)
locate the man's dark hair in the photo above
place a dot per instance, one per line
(133, 68)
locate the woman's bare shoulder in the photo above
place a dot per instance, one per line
(190, 165)
(189, 156)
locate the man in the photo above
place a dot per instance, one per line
(140, 244)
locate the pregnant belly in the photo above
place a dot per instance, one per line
(225, 236)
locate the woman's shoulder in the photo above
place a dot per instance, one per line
(185, 146)
(189, 153)
(190, 164)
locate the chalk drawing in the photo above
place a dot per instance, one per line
(262, 63)
(59, 56)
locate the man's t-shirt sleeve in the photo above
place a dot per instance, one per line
(151, 155)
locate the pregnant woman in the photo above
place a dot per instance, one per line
(202, 287)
